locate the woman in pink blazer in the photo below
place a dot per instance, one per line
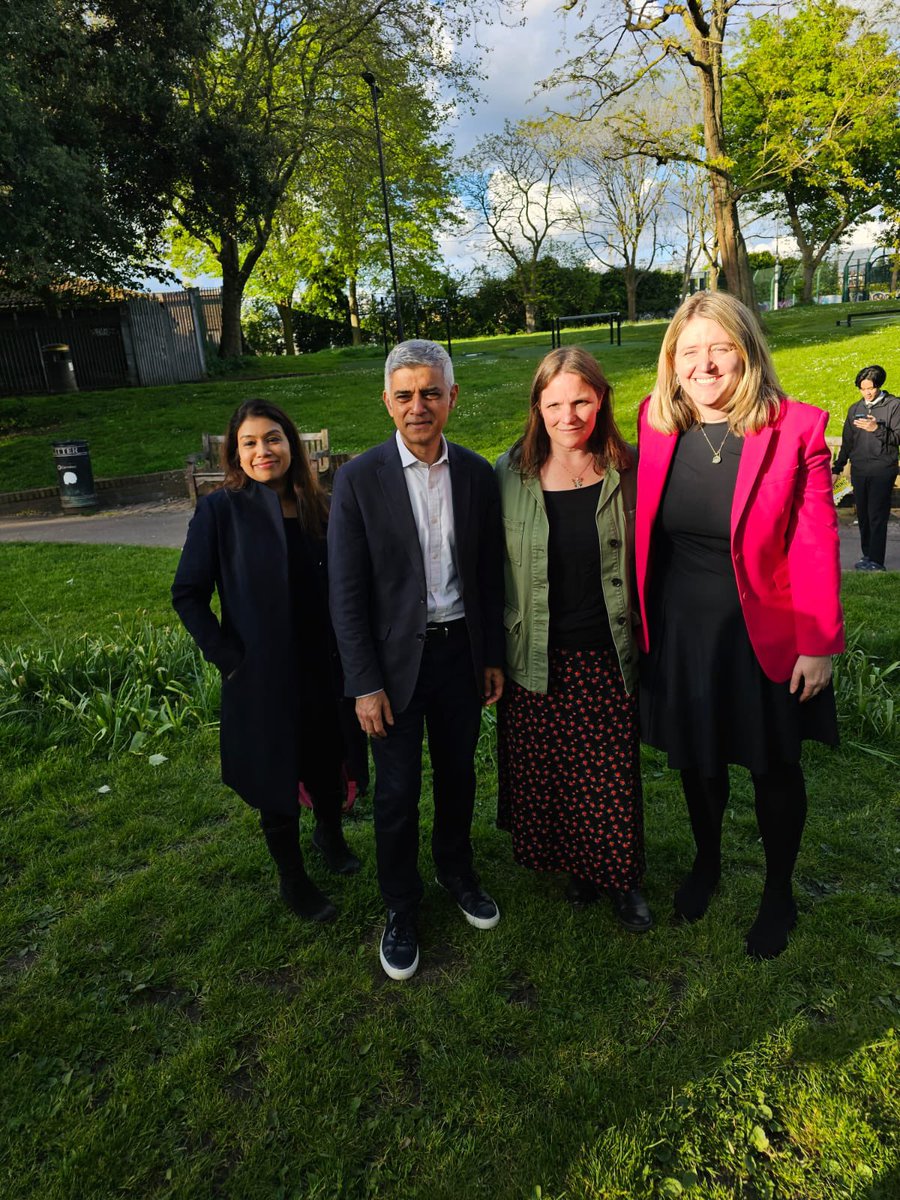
(738, 576)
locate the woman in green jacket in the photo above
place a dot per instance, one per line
(570, 791)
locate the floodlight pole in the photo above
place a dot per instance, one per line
(369, 78)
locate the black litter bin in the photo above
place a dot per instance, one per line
(59, 368)
(75, 477)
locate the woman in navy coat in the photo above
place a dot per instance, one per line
(259, 542)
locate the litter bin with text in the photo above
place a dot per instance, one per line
(59, 368)
(75, 477)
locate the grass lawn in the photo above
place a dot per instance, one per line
(136, 430)
(169, 1030)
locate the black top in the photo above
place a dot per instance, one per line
(578, 616)
(871, 453)
(308, 608)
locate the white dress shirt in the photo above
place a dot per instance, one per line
(432, 506)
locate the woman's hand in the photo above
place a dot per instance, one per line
(814, 672)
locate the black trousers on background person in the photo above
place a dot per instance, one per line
(446, 703)
(873, 507)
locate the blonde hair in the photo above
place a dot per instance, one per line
(758, 395)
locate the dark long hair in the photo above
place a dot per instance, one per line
(312, 503)
(606, 444)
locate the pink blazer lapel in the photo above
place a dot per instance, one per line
(752, 458)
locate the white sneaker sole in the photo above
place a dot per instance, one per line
(481, 922)
(396, 972)
(477, 922)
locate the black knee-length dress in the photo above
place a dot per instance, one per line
(705, 700)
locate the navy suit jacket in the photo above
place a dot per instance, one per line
(377, 577)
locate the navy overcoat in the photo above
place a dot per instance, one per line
(236, 545)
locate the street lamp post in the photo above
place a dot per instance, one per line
(369, 78)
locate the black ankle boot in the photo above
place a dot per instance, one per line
(767, 937)
(339, 858)
(694, 893)
(298, 891)
(302, 897)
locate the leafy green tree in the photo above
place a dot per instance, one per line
(89, 133)
(811, 111)
(270, 91)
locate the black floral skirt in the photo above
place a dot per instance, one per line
(570, 785)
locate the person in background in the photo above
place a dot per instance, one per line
(416, 581)
(738, 572)
(569, 753)
(870, 443)
(259, 542)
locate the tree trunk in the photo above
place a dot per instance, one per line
(286, 313)
(732, 248)
(234, 279)
(531, 316)
(353, 305)
(631, 291)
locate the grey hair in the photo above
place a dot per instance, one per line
(418, 352)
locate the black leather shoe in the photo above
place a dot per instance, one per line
(399, 951)
(476, 905)
(338, 856)
(581, 892)
(632, 911)
(304, 899)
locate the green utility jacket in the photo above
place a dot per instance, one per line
(527, 610)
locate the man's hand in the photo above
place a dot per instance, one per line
(493, 685)
(814, 671)
(374, 713)
(869, 424)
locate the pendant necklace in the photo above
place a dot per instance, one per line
(577, 480)
(717, 454)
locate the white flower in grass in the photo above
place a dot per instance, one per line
(157, 760)
(103, 790)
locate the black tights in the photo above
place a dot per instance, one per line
(780, 814)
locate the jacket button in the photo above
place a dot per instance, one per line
(617, 583)
(615, 543)
(420, 637)
(621, 620)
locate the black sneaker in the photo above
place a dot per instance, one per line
(632, 911)
(399, 952)
(476, 905)
(338, 856)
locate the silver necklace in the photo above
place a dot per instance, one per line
(717, 454)
(577, 480)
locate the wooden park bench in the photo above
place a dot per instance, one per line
(204, 471)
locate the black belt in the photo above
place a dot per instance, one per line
(441, 630)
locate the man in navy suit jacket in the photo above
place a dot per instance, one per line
(416, 583)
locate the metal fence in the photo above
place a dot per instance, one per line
(143, 341)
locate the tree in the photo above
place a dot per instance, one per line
(617, 203)
(812, 118)
(510, 183)
(417, 169)
(269, 91)
(689, 210)
(89, 132)
(693, 36)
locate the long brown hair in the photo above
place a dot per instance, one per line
(606, 444)
(757, 398)
(312, 503)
